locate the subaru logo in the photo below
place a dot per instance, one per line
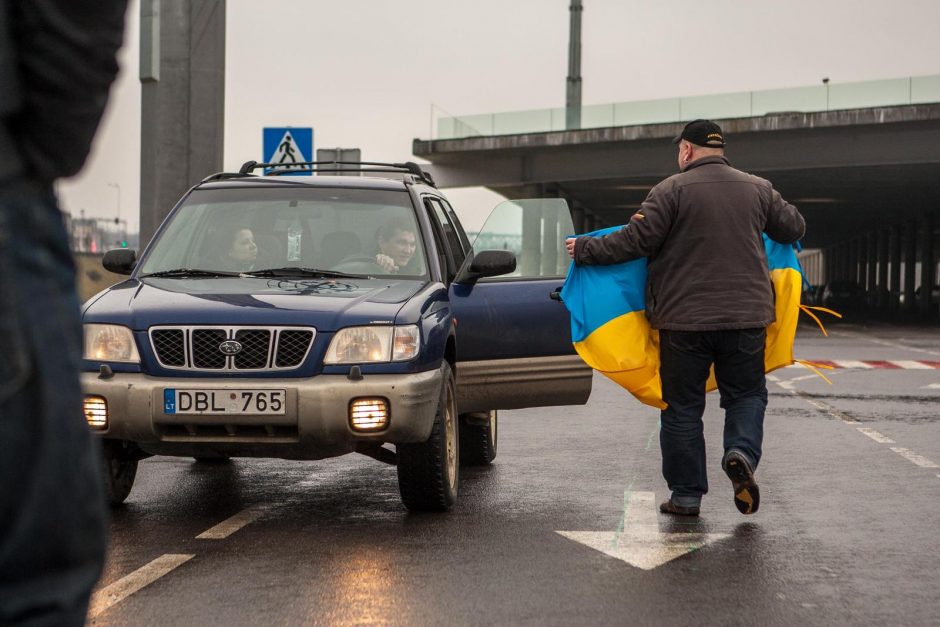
(230, 347)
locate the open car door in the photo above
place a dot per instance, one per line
(514, 345)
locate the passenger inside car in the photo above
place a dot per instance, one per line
(237, 251)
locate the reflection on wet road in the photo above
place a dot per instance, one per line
(562, 529)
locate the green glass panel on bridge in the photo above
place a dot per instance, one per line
(796, 99)
(807, 99)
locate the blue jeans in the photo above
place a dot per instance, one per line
(686, 356)
(52, 509)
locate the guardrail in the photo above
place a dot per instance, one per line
(824, 97)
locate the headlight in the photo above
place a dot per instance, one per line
(377, 344)
(110, 342)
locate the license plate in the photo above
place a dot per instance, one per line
(233, 402)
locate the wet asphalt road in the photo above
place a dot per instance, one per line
(847, 532)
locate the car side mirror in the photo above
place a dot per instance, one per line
(488, 263)
(120, 260)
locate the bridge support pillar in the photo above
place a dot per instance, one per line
(909, 244)
(577, 218)
(894, 253)
(871, 261)
(883, 235)
(927, 270)
(182, 75)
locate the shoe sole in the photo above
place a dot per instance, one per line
(746, 492)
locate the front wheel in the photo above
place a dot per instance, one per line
(478, 438)
(428, 471)
(120, 470)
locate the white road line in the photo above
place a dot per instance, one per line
(877, 437)
(914, 458)
(227, 527)
(851, 363)
(126, 586)
(909, 365)
(832, 411)
(932, 386)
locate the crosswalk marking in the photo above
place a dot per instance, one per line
(873, 364)
(849, 363)
(910, 364)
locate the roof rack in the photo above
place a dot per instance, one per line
(221, 176)
(409, 167)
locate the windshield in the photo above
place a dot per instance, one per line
(357, 231)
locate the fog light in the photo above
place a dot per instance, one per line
(368, 414)
(96, 412)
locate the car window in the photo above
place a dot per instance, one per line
(360, 231)
(462, 236)
(534, 230)
(451, 232)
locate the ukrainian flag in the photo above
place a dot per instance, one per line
(611, 334)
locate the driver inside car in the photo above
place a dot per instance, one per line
(397, 245)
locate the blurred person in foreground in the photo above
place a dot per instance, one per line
(710, 296)
(57, 63)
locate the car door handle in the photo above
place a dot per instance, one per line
(556, 295)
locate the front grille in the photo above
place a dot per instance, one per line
(206, 353)
(261, 348)
(169, 344)
(292, 348)
(256, 344)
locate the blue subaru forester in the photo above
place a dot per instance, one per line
(305, 318)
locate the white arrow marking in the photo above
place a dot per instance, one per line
(640, 543)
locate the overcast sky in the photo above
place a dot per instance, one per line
(365, 73)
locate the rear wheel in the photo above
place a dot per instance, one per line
(428, 471)
(478, 438)
(120, 469)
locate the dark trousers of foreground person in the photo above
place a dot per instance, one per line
(52, 510)
(686, 356)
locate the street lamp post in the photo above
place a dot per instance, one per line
(826, 83)
(118, 188)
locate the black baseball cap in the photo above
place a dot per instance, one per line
(703, 133)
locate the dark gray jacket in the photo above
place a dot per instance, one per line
(57, 63)
(701, 230)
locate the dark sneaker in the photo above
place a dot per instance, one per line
(668, 507)
(746, 492)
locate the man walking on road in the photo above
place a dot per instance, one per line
(57, 63)
(709, 294)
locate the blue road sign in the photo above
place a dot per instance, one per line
(288, 145)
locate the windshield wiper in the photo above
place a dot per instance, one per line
(294, 271)
(189, 272)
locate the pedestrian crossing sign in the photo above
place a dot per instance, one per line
(288, 145)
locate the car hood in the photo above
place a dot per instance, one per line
(327, 304)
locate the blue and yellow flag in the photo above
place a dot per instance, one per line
(612, 335)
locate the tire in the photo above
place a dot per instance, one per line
(120, 470)
(428, 472)
(478, 439)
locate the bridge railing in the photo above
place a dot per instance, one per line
(822, 97)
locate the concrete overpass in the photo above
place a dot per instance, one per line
(867, 180)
